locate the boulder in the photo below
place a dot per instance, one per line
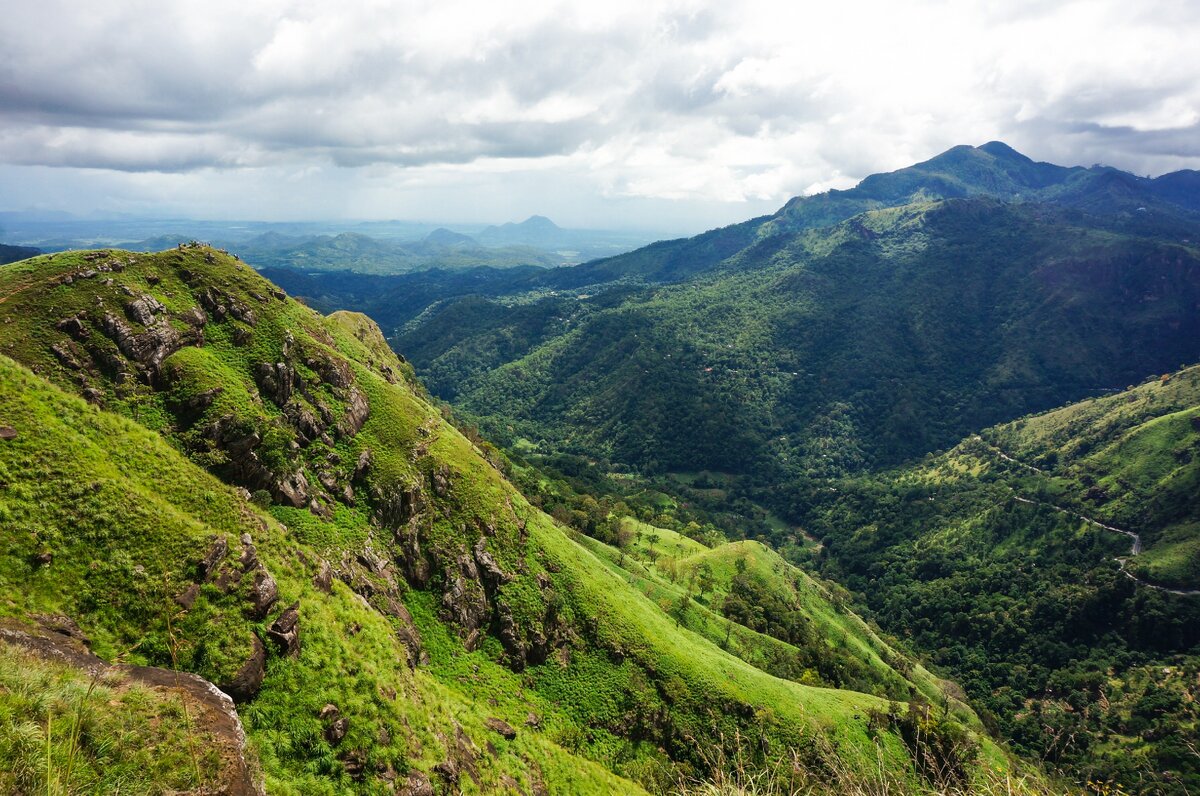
(336, 730)
(503, 728)
(285, 631)
(244, 685)
(263, 594)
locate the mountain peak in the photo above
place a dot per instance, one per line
(539, 222)
(1000, 149)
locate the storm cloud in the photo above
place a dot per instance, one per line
(597, 114)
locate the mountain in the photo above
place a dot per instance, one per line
(351, 251)
(875, 340)
(208, 482)
(852, 379)
(444, 237)
(12, 254)
(534, 231)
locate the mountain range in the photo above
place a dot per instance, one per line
(788, 377)
(894, 490)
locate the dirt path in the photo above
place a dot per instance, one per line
(1135, 547)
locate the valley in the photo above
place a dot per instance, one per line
(872, 490)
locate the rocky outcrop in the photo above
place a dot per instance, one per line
(211, 712)
(144, 309)
(263, 593)
(285, 631)
(357, 411)
(500, 727)
(276, 381)
(149, 348)
(245, 684)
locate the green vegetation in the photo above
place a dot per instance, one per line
(63, 732)
(980, 556)
(815, 379)
(386, 607)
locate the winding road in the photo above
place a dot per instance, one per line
(1135, 547)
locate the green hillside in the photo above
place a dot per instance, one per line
(1011, 559)
(876, 340)
(388, 611)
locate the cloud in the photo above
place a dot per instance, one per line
(674, 100)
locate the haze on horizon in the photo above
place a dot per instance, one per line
(654, 115)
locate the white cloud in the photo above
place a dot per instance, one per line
(613, 109)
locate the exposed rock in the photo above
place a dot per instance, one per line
(492, 574)
(263, 594)
(64, 355)
(336, 731)
(363, 464)
(194, 317)
(44, 558)
(510, 636)
(323, 580)
(187, 598)
(144, 309)
(333, 371)
(533, 721)
(320, 509)
(244, 685)
(292, 490)
(276, 381)
(328, 712)
(309, 425)
(441, 481)
(285, 631)
(249, 557)
(279, 294)
(357, 411)
(406, 630)
(464, 601)
(501, 727)
(448, 770)
(242, 336)
(217, 549)
(74, 327)
(149, 348)
(416, 784)
(8, 432)
(355, 763)
(212, 712)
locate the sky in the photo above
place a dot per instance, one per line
(617, 114)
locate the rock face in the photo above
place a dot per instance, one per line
(244, 685)
(501, 727)
(285, 631)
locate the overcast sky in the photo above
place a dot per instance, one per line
(608, 113)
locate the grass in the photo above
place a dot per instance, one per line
(63, 732)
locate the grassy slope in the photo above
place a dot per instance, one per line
(1131, 460)
(627, 687)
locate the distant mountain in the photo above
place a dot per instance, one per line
(444, 237)
(1117, 199)
(533, 231)
(12, 254)
(351, 251)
